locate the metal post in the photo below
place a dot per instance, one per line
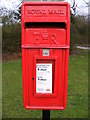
(45, 114)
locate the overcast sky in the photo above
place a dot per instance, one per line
(81, 9)
(12, 5)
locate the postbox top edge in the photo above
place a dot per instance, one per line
(45, 3)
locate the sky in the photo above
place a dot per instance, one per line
(81, 9)
(12, 5)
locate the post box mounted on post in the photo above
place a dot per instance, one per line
(45, 54)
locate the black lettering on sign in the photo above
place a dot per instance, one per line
(41, 79)
(43, 69)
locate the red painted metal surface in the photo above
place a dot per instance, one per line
(45, 25)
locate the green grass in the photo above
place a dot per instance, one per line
(77, 100)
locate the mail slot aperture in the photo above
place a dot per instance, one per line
(45, 25)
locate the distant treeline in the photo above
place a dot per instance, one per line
(79, 31)
(12, 37)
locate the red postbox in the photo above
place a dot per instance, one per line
(45, 54)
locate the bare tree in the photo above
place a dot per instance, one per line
(87, 3)
(11, 16)
(74, 6)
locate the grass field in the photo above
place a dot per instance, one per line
(77, 100)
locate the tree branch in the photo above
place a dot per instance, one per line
(87, 3)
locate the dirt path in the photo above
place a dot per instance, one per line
(7, 56)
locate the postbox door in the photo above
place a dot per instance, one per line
(53, 65)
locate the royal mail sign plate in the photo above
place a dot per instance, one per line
(45, 11)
